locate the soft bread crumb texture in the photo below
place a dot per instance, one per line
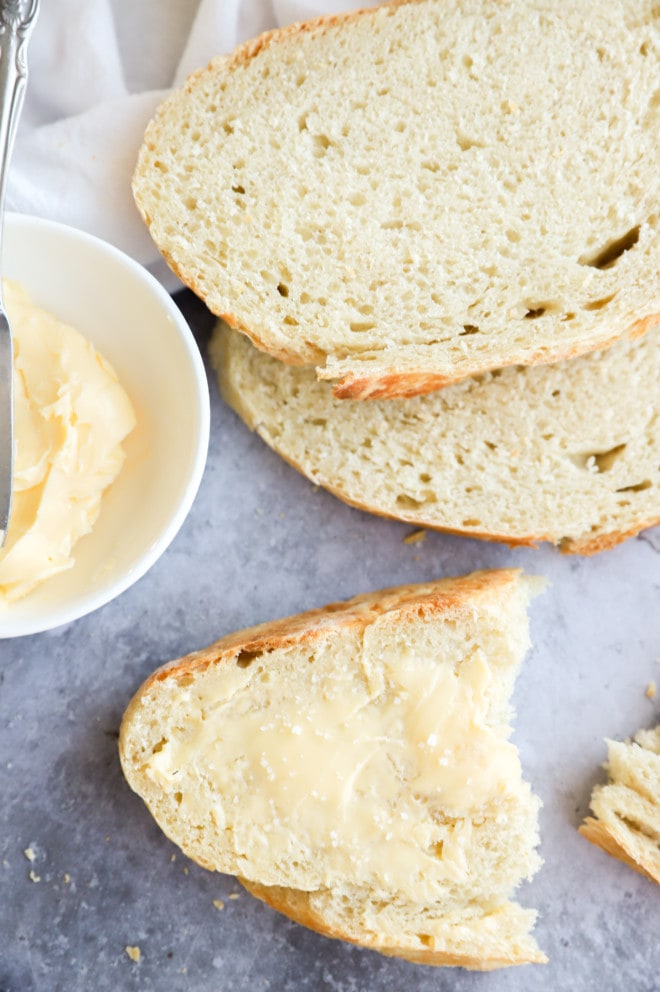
(399, 198)
(352, 767)
(626, 820)
(566, 453)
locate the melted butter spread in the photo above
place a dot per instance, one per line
(377, 776)
(70, 415)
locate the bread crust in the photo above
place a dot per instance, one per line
(295, 906)
(445, 596)
(601, 835)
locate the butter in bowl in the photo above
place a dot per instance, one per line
(111, 424)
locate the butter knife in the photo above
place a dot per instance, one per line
(17, 19)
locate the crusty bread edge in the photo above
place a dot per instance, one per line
(446, 596)
(298, 912)
(599, 834)
(417, 383)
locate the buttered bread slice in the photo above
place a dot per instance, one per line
(352, 766)
(566, 453)
(414, 194)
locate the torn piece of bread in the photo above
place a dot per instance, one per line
(567, 453)
(402, 198)
(626, 821)
(352, 766)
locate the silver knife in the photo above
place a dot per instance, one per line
(17, 19)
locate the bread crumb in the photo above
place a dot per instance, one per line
(67, 878)
(33, 876)
(185, 871)
(173, 858)
(218, 903)
(134, 953)
(651, 690)
(29, 854)
(234, 895)
(416, 537)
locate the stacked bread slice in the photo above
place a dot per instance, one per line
(398, 200)
(352, 766)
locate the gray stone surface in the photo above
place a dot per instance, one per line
(260, 543)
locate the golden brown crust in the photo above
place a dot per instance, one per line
(447, 596)
(295, 905)
(418, 383)
(600, 835)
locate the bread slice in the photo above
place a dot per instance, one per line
(402, 198)
(352, 766)
(567, 453)
(626, 821)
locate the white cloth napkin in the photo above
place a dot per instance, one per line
(97, 71)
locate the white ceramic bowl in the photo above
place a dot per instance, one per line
(132, 321)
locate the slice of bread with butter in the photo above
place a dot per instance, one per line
(410, 195)
(352, 766)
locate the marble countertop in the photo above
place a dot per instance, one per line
(261, 542)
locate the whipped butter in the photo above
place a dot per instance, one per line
(367, 773)
(70, 415)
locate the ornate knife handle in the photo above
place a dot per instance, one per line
(17, 19)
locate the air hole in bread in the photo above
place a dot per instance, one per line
(610, 253)
(471, 522)
(245, 658)
(469, 329)
(408, 502)
(178, 797)
(321, 144)
(465, 143)
(238, 189)
(282, 289)
(601, 461)
(535, 312)
(599, 304)
(361, 325)
(290, 321)
(159, 746)
(190, 202)
(637, 488)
